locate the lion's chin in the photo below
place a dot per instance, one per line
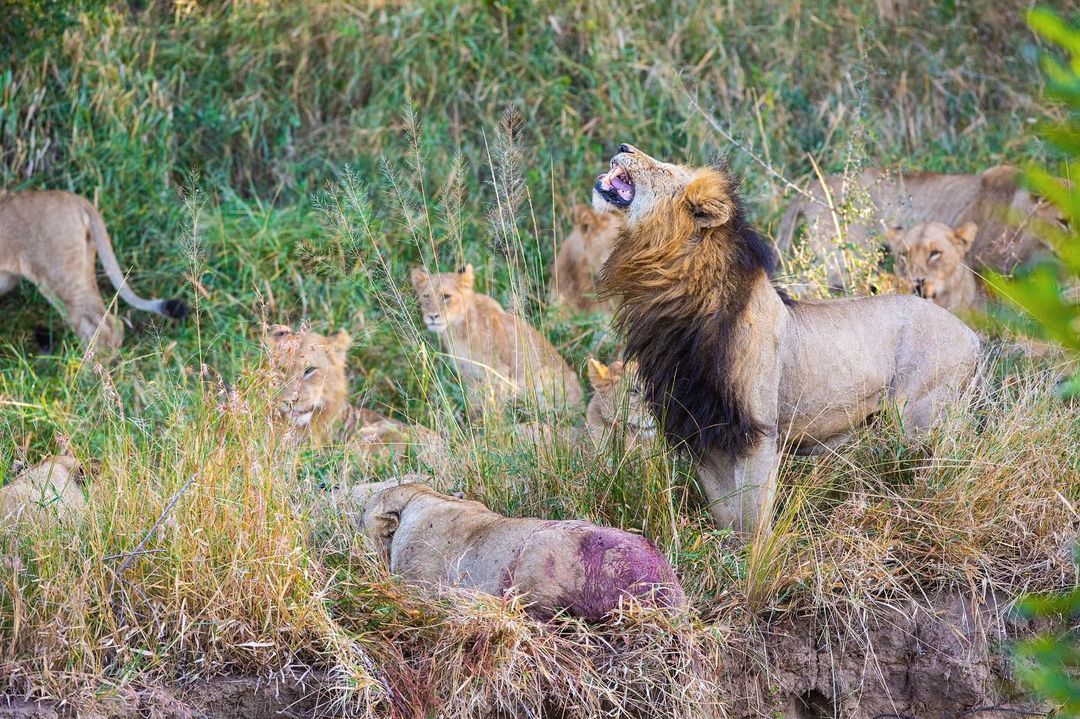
(300, 418)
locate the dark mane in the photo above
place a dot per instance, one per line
(684, 342)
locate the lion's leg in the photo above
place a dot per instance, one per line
(86, 314)
(741, 491)
(8, 280)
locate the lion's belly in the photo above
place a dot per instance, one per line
(839, 363)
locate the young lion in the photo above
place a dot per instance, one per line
(314, 400)
(50, 239)
(931, 259)
(730, 363)
(581, 256)
(1003, 211)
(585, 570)
(499, 356)
(48, 489)
(617, 407)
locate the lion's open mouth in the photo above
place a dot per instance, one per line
(616, 186)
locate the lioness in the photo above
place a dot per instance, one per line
(498, 355)
(48, 489)
(580, 258)
(617, 408)
(729, 363)
(872, 200)
(931, 259)
(314, 400)
(555, 566)
(50, 239)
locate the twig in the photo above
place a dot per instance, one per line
(753, 155)
(161, 518)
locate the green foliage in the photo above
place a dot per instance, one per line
(1049, 296)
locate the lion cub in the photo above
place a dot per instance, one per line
(498, 355)
(51, 488)
(931, 259)
(618, 408)
(314, 400)
(581, 256)
(50, 239)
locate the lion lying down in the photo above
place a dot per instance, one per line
(47, 490)
(554, 566)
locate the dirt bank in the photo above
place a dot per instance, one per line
(942, 659)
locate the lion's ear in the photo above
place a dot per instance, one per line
(892, 236)
(599, 374)
(964, 236)
(466, 278)
(708, 198)
(419, 278)
(615, 370)
(584, 217)
(339, 342)
(388, 523)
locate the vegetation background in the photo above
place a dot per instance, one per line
(288, 162)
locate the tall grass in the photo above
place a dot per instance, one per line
(291, 163)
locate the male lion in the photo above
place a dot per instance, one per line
(931, 259)
(585, 570)
(872, 200)
(581, 256)
(498, 355)
(50, 238)
(314, 400)
(730, 363)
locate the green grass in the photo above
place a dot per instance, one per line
(289, 164)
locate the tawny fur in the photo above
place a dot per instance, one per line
(499, 356)
(580, 257)
(314, 400)
(575, 567)
(732, 367)
(1006, 214)
(51, 238)
(931, 259)
(618, 410)
(47, 491)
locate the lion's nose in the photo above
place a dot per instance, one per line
(627, 147)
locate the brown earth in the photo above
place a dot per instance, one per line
(943, 659)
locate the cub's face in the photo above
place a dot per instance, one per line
(930, 257)
(444, 297)
(636, 186)
(619, 401)
(313, 371)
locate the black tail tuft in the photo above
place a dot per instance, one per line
(177, 309)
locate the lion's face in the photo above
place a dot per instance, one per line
(930, 257)
(313, 369)
(618, 401)
(444, 297)
(638, 186)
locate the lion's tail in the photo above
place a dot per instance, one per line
(788, 223)
(176, 309)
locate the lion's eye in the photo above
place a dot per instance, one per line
(309, 371)
(446, 298)
(934, 256)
